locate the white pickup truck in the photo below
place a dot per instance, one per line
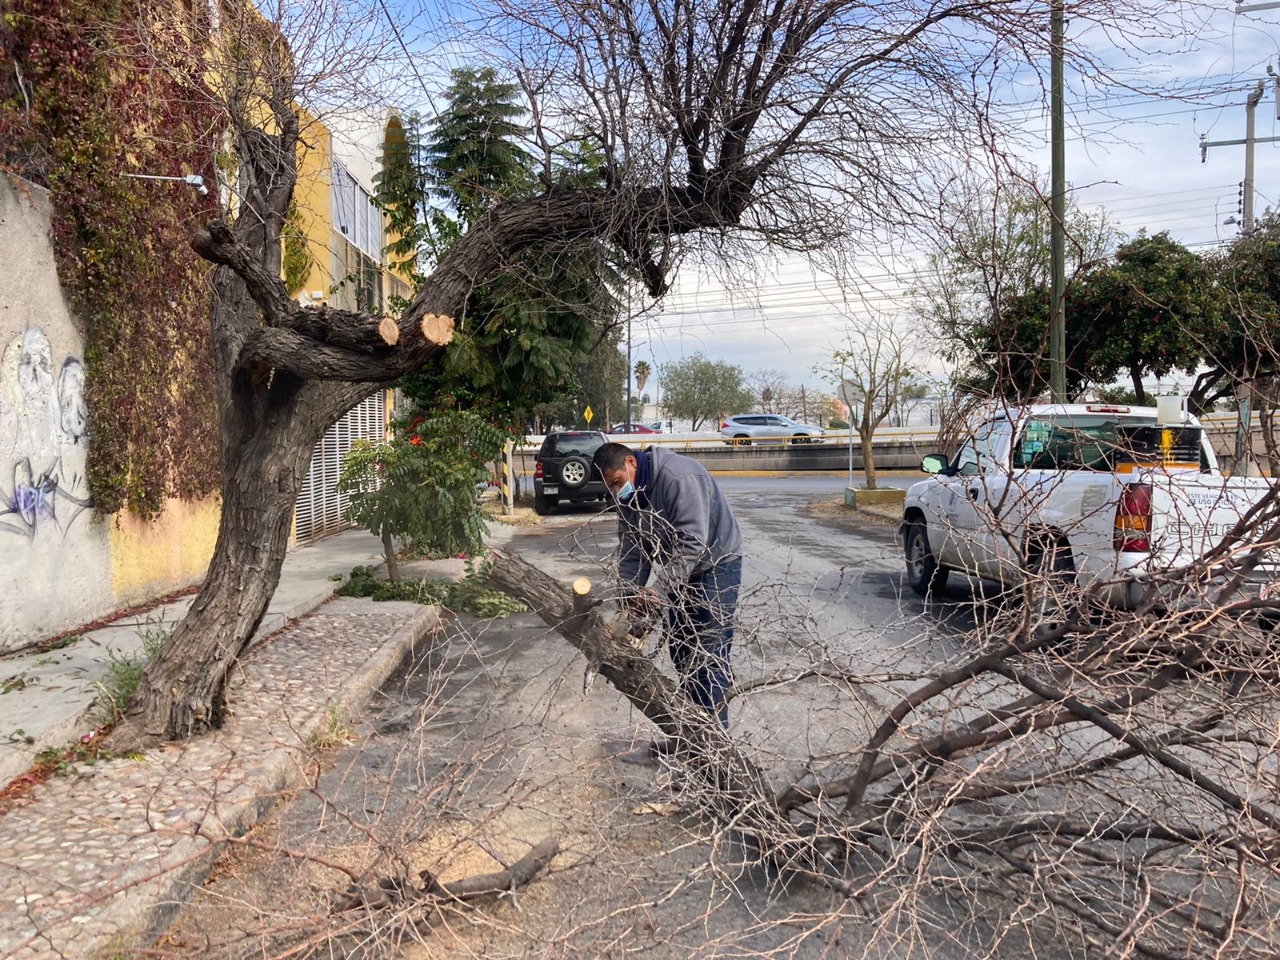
(1101, 494)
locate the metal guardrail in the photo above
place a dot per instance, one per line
(901, 451)
(692, 441)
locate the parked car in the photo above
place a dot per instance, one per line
(1088, 494)
(632, 428)
(563, 469)
(747, 428)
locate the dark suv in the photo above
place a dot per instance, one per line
(563, 469)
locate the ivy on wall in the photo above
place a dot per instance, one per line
(96, 90)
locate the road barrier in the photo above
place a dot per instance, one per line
(892, 453)
(895, 448)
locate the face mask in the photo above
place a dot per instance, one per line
(626, 492)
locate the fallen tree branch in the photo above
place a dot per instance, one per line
(739, 795)
(398, 892)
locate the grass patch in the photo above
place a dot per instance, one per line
(335, 732)
(19, 681)
(124, 673)
(468, 595)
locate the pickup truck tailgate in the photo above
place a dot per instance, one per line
(1193, 513)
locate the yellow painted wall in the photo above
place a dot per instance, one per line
(312, 196)
(152, 558)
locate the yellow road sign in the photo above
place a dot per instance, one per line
(588, 414)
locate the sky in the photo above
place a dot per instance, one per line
(1138, 159)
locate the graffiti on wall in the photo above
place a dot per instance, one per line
(44, 435)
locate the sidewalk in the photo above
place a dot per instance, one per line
(107, 852)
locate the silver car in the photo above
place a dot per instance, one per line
(747, 428)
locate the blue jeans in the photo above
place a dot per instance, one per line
(700, 635)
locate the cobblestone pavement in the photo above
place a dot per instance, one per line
(105, 854)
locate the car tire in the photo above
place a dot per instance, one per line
(742, 440)
(924, 576)
(575, 472)
(542, 504)
(800, 438)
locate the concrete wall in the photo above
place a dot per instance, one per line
(59, 566)
(889, 455)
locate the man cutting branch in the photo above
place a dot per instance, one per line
(672, 518)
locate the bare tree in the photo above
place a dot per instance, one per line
(1110, 779)
(770, 388)
(709, 122)
(871, 370)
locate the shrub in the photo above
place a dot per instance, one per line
(422, 486)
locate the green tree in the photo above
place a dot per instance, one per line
(698, 389)
(642, 371)
(526, 330)
(1009, 352)
(600, 383)
(473, 151)
(987, 296)
(1146, 312)
(1241, 347)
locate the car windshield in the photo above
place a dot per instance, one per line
(1100, 442)
(572, 445)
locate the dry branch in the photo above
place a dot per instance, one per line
(739, 794)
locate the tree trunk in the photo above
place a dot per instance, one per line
(389, 551)
(868, 456)
(1135, 372)
(183, 690)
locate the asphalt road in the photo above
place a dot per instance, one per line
(493, 740)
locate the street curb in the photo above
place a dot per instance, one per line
(176, 887)
(149, 892)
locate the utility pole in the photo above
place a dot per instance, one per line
(1057, 235)
(628, 357)
(1249, 141)
(1250, 107)
(1244, 391)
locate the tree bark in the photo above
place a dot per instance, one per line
(183, 690)
(868, 456)
(1135, 373)
(389, 551)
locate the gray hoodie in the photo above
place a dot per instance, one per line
(678, 520)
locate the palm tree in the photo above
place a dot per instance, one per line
(642, 375)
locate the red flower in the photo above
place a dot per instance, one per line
(416, 441)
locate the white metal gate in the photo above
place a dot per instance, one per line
(321, 510)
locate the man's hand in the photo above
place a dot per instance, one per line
(643, 608)
(644, 603)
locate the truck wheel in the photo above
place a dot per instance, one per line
(924, 576)
(542, 504)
